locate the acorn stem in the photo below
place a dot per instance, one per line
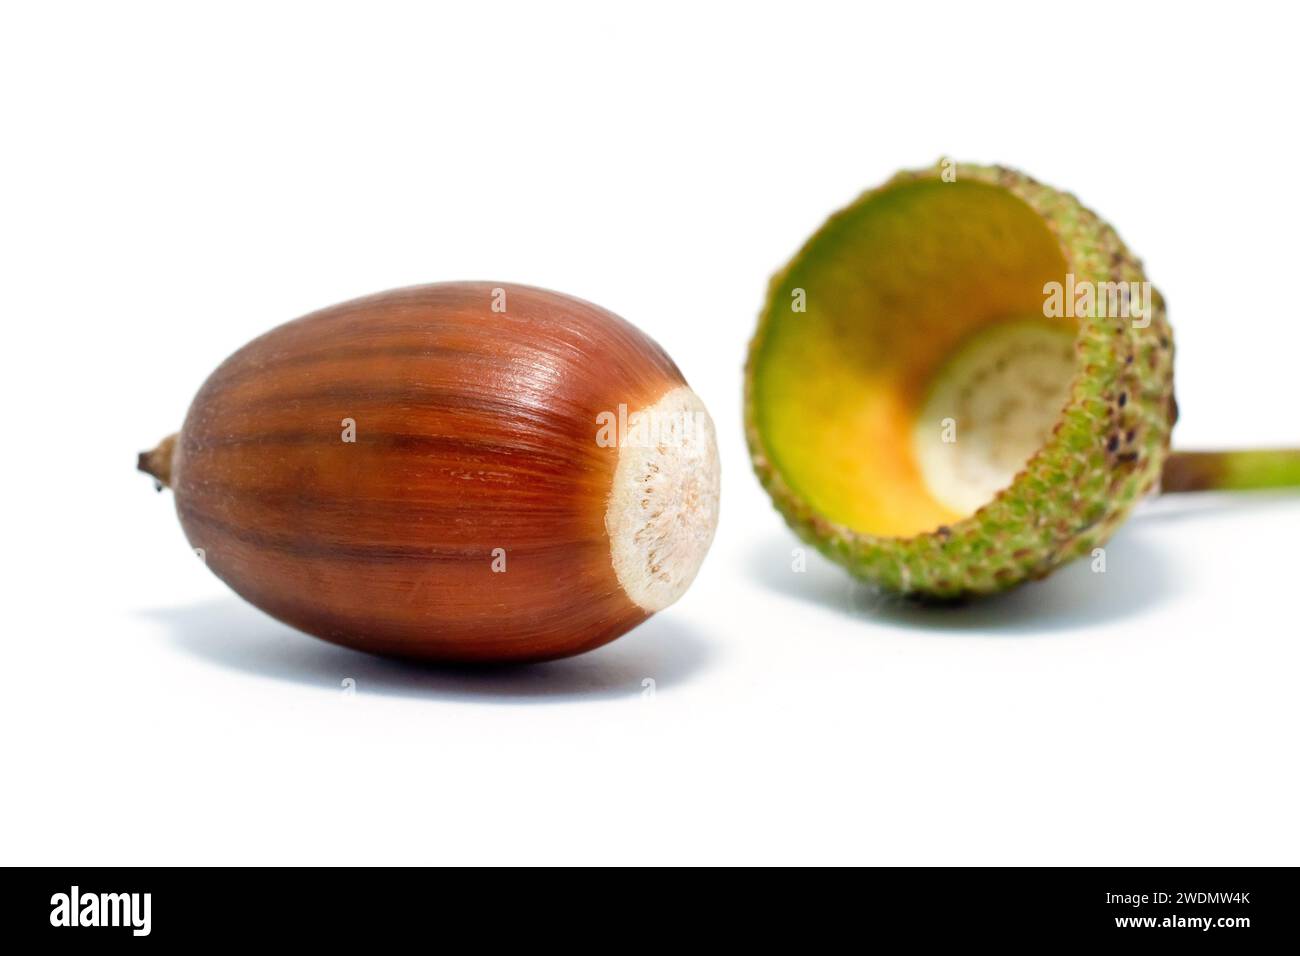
(158, 462)
(1231, 470)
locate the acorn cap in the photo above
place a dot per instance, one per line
(922, 411)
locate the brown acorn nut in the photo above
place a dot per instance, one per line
(458, 472)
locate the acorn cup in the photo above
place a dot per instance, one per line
(964, 380)
(456, 472)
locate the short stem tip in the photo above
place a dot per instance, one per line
(158, 462)
(1231, 470)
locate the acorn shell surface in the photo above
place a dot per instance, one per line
(417, 473)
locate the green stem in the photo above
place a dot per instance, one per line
(1231, 470)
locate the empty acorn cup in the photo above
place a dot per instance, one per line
(964, 380)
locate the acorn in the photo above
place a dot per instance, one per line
(464, 471)
(964, 380)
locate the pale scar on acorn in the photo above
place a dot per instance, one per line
(964, 380)
(458, 472)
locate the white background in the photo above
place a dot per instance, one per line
(178, 179)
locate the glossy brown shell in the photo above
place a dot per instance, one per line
(475, 430)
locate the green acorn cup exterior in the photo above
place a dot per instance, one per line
(1104, 454)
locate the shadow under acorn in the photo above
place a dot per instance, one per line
(233, 634)
(1137, 578)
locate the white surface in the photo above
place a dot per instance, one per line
(175, 182)
(668, 455)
